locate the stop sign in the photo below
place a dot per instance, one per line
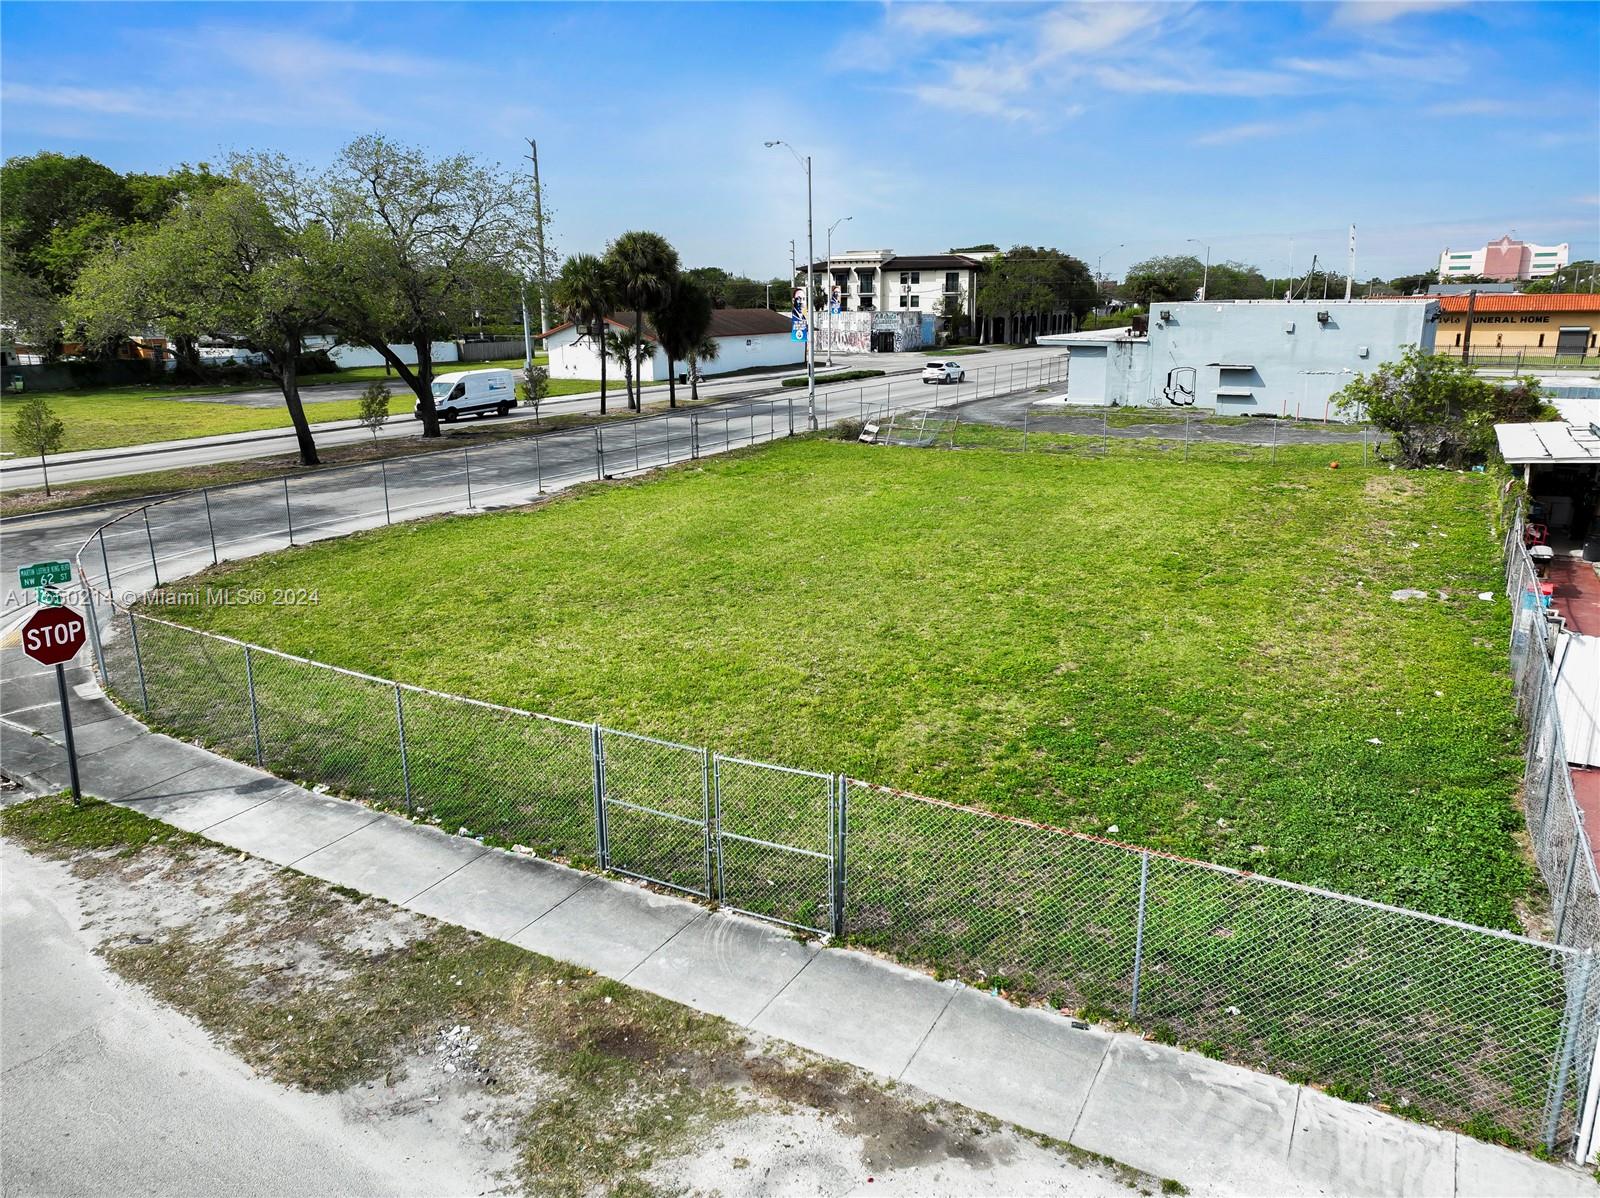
(53, 635)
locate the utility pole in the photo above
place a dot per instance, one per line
(1350, 271)
(831, 228)
(1466, 335)
(811, 259)
(1205, 278)
(538, 233)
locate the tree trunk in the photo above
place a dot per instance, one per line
(430, 414)
(672, 384)
(636, 397)
(424, 394)
(694, 379)
(289, 384)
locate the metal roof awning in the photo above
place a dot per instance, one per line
(1548, 443)
(1232, 365)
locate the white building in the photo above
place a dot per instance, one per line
(1244, 358)
(1505, 259)
(883, 281)
(746, 338)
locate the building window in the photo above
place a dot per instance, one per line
(905, 277)
(905, 301)
(916, 301)
(952, 282)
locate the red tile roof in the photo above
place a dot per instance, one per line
(1564, 302)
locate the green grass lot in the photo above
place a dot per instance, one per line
(118, 416)
(135, 415)
(1200, 657)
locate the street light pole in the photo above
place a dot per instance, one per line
(831, 228)
(1099, 275)
(1205, 279)
(811, 259)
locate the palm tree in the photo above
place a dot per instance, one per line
(585, 293)
(645, 267)
(680, 325)
(623, 349)
(703, 350)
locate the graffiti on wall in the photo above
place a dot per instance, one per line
(865, 332)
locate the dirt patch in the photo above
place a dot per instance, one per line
(537, 1076)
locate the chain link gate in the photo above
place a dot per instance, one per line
(776, 832)
(653, 808)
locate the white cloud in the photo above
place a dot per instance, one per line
(1381, 12)
(1248, 131)
(87, 100)
(936, 20)
(1480, 107)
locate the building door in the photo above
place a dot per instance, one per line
(1572, 341)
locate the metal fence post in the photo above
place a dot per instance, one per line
(148, 536)
(1026, 411)
(105, 561)
(1138, 937)
(255, 713)
(1105, 431)
(716, 815)
(383, 468)
(288, 512)
(138, 661)
(1566, 887)
(94, 636)
(466, 464)
(1274, 442)
(405, 763)
(211, 529)
(1187, 421)
(791, 415)
(602, 845)
(694, 437)
(713, 892)
(635, 423)
(1576, 997)
(600, 453)
(841, 819)
(538, 466)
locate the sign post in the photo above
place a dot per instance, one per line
(52, 637)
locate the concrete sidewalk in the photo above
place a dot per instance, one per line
(1217, 1128)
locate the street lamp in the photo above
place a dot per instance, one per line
(1100, 277)
(831, 228)
(1205, 279)
(811, 257)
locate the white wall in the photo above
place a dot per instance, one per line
(1287, 362)
(349, 356)
(572, 357)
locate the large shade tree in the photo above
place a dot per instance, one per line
(222, 267)
(414, 241)
(585, 293)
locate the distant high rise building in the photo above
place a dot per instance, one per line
(1506, 259)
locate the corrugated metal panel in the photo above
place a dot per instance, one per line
(1578, 696)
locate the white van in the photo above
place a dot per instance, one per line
(465, 392)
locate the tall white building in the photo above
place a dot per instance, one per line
(1505, 259)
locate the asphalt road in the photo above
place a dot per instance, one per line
(1012, 411)
(200, 451)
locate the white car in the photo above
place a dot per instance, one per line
(473, 392)
(943, 372)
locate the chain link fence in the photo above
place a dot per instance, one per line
(1473, 1027)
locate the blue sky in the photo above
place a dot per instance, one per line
(1260, 128)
